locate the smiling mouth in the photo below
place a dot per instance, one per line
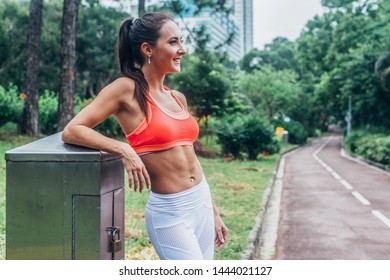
(177, 60)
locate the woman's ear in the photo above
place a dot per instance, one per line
(146, 50)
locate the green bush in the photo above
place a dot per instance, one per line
(248, 134)
(352, 139)
(371, 146)
(297, 134)
(230, 134)
(11, 105)
(48, 112)
(259, 137)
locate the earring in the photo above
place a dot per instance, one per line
(148, 59)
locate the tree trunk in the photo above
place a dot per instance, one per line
(141, 7)
(30, 122)
(68, 62)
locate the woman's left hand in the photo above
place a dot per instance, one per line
(221, 232)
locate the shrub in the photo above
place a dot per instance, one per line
(371, 146)
(351, 140)
(297, 134)
(48, 112)
(259, 137)
(230, 133)
(246, 134)
(11, 105)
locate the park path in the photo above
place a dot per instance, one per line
(326, 206)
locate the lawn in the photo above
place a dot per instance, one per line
(237, 188)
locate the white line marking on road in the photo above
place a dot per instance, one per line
(322, 146)
(322, 163)
(346, 184)
(337, 176)
(349, 187)
(330, 170)
(361, 198)
(381, 217)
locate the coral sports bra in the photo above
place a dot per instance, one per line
(162, 129)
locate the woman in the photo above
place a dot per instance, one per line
(181, 218)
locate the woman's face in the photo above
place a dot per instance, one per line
(169, 49)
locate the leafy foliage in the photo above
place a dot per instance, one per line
(341, 49)
(48, 106)
(370, 145)
(272, 92)
(246, 134)
(11, 105)
(13, 37)
(297, 134)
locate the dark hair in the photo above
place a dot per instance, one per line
(132, 34)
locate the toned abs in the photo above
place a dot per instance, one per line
(173, 170)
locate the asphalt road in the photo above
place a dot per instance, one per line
(327, 206)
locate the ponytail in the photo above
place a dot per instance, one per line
(132, 34)
(127, 64)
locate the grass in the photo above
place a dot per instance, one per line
(237, 188)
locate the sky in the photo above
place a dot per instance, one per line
(281, 18)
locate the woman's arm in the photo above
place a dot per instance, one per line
(79, 130)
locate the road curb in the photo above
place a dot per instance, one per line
(255, 233)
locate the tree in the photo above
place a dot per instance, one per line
(68, 62)
(250, 61)
(336, 3)
(275, 93)
(14, 21)
(96, 40)
(280, 54)
(31, 110)
(141, 7)
(339, 51)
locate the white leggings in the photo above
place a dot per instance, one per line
(181, 225)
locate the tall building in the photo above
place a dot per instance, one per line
(247, 24)
(217, 26)
(217, 30)
(243, 14)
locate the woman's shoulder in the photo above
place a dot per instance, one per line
(123, 84)
(119, 88)
(180, 96)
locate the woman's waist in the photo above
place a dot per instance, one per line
(186, 199)
(175, 181)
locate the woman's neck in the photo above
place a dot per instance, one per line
(154, 79)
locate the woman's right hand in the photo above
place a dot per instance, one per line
(135, 168)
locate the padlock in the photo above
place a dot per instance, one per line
(116, 242)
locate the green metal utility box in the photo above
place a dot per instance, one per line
(63, 202)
